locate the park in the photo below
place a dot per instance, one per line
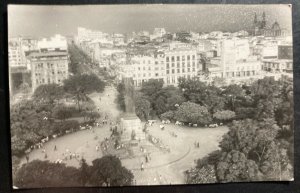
(164, 168)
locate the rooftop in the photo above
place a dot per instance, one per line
(47, 54)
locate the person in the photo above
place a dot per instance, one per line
(55, 148)
(27, 158)
(142, 166)
(146, 158)
(46, 156)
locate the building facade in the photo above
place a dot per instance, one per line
(48, 68)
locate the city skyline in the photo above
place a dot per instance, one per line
(60, 19)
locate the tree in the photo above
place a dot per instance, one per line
(169, 115)
(235, 167)
(109, 171)
(206, 174)
(62, 112)
(266, 88)
(37, 174)
(234, 93)
(48, 93)
(151, 88)
(142, 107)
(190, 112)
(192, 89)
(225, 115)
(81, 85)
(219, 81)
(84, 172)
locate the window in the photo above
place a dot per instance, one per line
(173, 64)
(178, 65)
(193, 69)
(156, 62)
(183, 70)
(193, 64)
(183, 58)
(193, 57)
(139, 68)
(188, 69)
(183, 65)
(167, 58)
(168, 65)
(178, 58)
(188, 57)
(156, 74)
(167, 71)
(178, 70)
(173, 71)
(172, 58)
(188, 64)
(149, 68)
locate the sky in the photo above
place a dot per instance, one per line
(45, 21)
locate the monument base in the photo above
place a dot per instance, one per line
(131, 128)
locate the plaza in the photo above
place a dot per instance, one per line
(161, 167)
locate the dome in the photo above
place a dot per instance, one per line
(276, 26)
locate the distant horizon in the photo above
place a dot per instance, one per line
(65, 20)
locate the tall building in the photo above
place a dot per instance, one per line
(180, 63)
(19, 67)
(49, 67)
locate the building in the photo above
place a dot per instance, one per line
(145, 67)
(49, 67)
(87, 34)
(167, 65)
(180, 63)
(285, 52)
(56, 42)
(265, 50)
(19, 67)
(260, 28)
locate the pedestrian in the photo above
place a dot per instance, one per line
(55, 148)
(142, 166)
(27, 158)
(46, 156)
(146, 158)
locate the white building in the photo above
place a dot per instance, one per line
(87, 34)
(57, 42)
(180, 63)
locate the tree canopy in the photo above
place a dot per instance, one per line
(190, 112)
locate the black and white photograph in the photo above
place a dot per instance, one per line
(150, 94)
